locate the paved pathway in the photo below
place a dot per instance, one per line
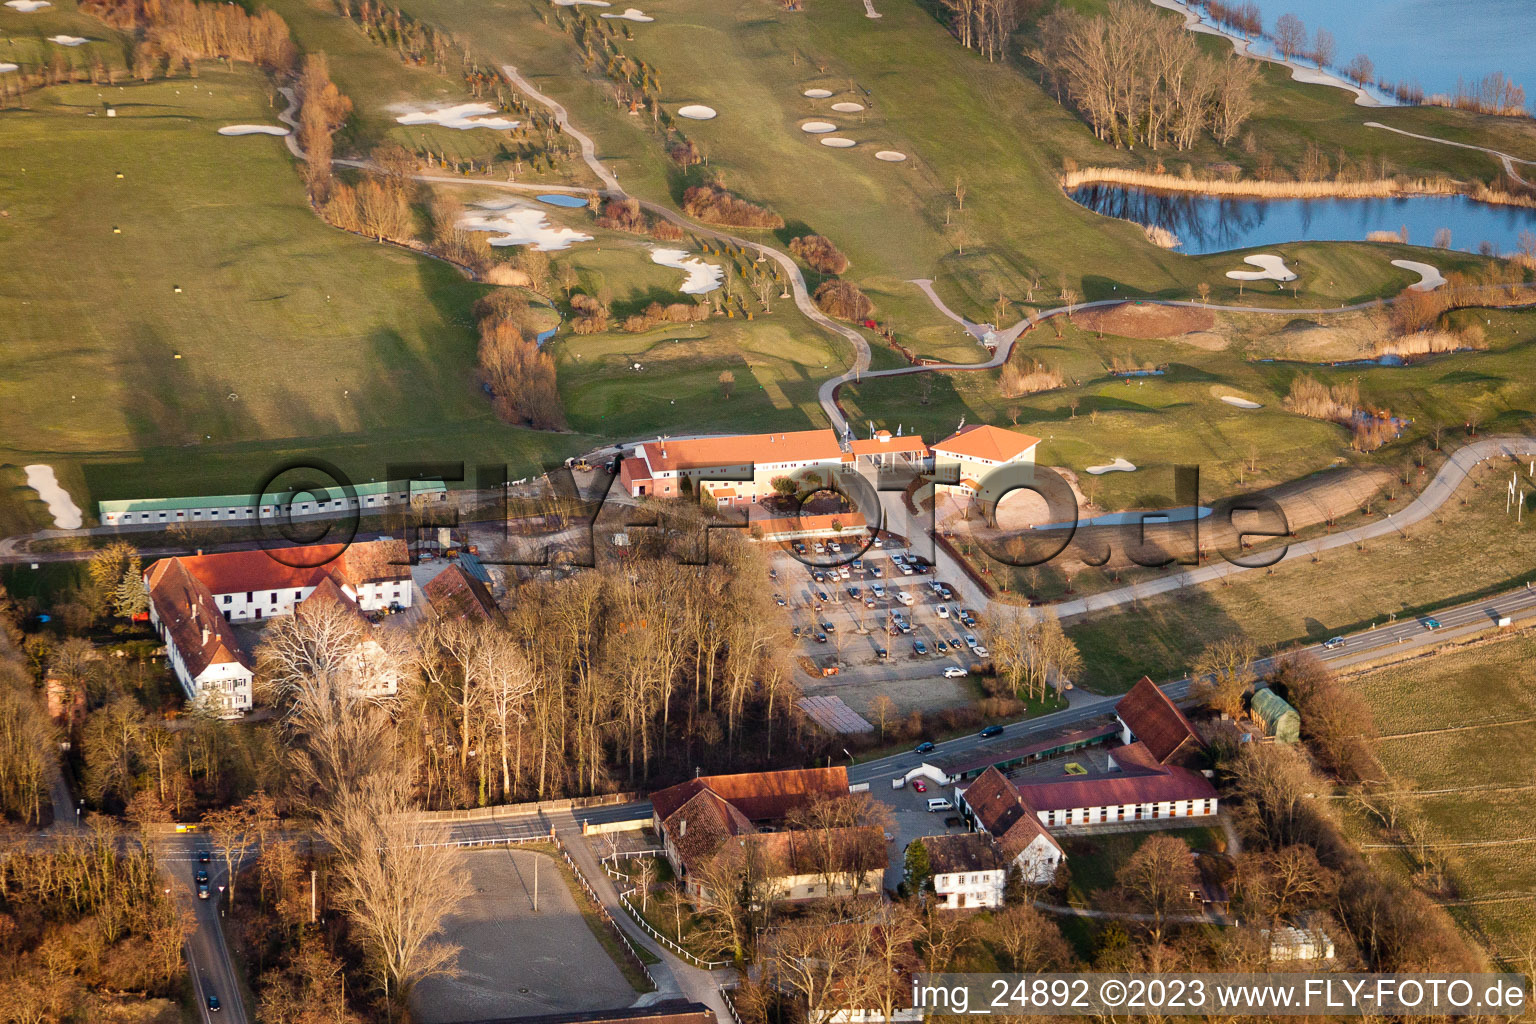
(588, 149)
(1508, 161)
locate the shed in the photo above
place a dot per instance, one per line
(1279, 719)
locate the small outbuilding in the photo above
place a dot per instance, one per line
(1278, 718)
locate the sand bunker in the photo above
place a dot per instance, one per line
(818, 127)
(702, 277)
(837, 142)
(1271, 268)
(696, 112)
(463, 117)
(27, 6)
(66, 514)
(9, 67)
(631, 14)
(252, 129)
(1241, 403)
(847, 108)
(1430, 277)
(890, 156)
(522, 225)
(1118, 466)
(817, 94)
(69, 40)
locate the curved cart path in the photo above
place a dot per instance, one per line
(1506, 159)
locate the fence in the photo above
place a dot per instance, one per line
(533, 807)
(602, 911)
(624, 901)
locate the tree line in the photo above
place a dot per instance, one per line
(1140, 78)
(518, 374)
(178, 32)
(987, 25)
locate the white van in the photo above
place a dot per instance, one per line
(938, 803)
(904, 597)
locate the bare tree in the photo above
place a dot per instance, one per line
(1324, 48)
(395, 880)
(1290, 35)
(1223, 672)
(1360, 69)
(1156, 880)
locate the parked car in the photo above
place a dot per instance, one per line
(904, 597)
(778, 599)
(858, 564)
(773, 574)
(879, 543)
(922, 748)
(882, 653)
(819, 548)
(920, 785)
(954, 672)
(827, 627)
(906, 570)
(990, 731)
(854, 592)
(821, 595)
(898, 558)
(821, 638)
(799, 548)
(919, 648)
(794, 631)
(1431, 623)
(878, 589)
(946, 593)
(874, 571)
(943, 611)
(940, 647)
(843, 573)
(938, 803)
(970, 641)
(1333, 643)
(834, 547)
(981, 652)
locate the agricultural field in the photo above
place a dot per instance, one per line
(1459, 743)
(1470, 547)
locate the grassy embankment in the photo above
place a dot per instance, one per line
(1462, 552)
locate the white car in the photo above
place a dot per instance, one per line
(980, 651)
(878, 589)
(906, 570)
(954, 672)
(834, 547)
(904, 597)
(843, 573)
(943, 611)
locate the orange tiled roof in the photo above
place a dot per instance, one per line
(1156, 721)
(981, 441)
(195, 626)
(740, 449)
(295, 568)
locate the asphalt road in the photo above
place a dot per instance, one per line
(208, 959)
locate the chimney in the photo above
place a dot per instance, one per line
(199, 552)
(682, 828)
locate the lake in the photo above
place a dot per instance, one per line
(1209, 224)
(1428, 41)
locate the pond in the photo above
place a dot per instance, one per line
(1205, 224)
(561, 199)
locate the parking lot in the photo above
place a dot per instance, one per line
(912, 819)
(885, 600)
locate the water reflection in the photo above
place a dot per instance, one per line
(1212, 224)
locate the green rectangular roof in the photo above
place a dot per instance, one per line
(249, 500)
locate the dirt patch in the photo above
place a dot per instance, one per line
(1354, 335)
(1132, 320)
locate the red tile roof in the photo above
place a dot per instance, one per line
(740, 449)
(195, 626)
(1131, 786)
(963, 851)
(296, 568)
(760, 796)
(1157, 722)
(700, 827)
(860, 848)
(980, 441)
(890, 443)
(455, 594)
(1003, 811)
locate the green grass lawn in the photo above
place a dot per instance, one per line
(1094, 860)
(24, 38)
(287, 337)
(1454, 556)
(1474, 785)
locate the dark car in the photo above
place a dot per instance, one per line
(923, 747)
(821, 595)
(773, 574)
(778, 599)
(990, 731)
(202, 876)
(794, 631)
(1431, 623)
(821, 638)
(827, 627)
(854, 592)
(882, 653)
(202, 890)
(203, 857)
(919, 648)
(214, 1006)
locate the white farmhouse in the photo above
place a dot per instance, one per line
(968, 870)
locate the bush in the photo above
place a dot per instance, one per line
(519, 377)
(819, 254)
(714, 205)
(844, 300)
